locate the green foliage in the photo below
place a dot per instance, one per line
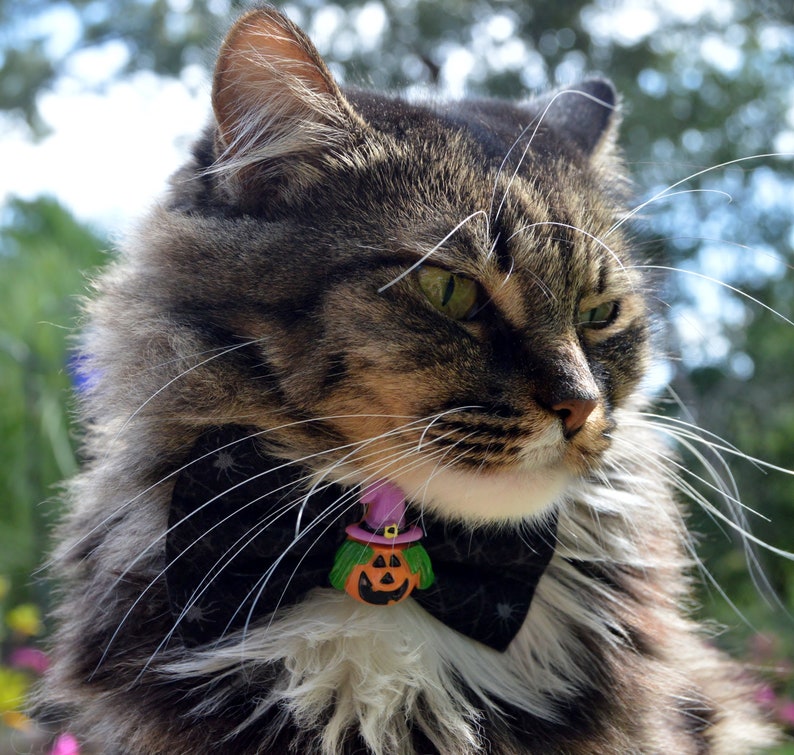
(44, 253)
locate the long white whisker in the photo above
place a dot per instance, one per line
(429, 254)
(304, 533)
(539, 120)
(221, 563)
(735, 290)
(245, 539)
(256, 433)
(174, 380)
(170, 529)
(730, 495)
(743, 533)
(229, 556)
(696, 433)
(667, 194)
(230, 553)
(589, 235)
(439, 416)
(627, 216)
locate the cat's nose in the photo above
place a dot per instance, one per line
(574, 413)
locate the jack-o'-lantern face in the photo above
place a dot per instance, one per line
(386, 578)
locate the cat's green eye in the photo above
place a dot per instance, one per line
(599, 317)
(454, 295)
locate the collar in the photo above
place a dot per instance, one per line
(246, 538)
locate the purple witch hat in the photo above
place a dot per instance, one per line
(384, 521)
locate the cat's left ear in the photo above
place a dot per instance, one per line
(278, 109)
(587, 114)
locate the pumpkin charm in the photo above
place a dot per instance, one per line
(380, 575)
(381, 563)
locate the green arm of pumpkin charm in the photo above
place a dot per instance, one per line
(350, 554)
(419, 561)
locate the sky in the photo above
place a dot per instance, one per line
(110, 152)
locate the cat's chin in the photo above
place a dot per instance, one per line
(481, 497)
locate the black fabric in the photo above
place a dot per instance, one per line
(233, 557)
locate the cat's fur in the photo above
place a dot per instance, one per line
(269, 290)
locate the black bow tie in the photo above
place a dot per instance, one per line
(244, 539)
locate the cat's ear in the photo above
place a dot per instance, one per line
(278, 109)
(587, 114)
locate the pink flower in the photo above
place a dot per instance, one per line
(29, 658)
(66, 744)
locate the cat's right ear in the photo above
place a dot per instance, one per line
(587, 114)
(278, 109)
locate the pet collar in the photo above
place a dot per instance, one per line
(245, 539)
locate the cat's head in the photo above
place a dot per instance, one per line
(437, 294)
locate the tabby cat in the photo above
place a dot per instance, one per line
(366, 463)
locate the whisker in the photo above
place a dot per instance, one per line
(535, 125)
(712, 509)
(589, 235)
(719, 282)
(665, 192)
(304, 533)
(727, 490)
(258, 433)
(429, 254)
(221, 563)
(162, 536)
(447, 450)
(696, 432)
(439, 416)
(170, 529)
(273, 516)
(761, 581)
(173, 380)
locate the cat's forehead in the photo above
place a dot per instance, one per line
(480, 202)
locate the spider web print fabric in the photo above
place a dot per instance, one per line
(246, 538)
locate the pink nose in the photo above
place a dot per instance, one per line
(574, 413)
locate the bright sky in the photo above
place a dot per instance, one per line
(109, 154)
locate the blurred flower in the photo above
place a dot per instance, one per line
(13, 687)
(28, 658)
(85, 376)
(25, 619)
(14, 719)
(66, 744)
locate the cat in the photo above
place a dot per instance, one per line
(366, 466)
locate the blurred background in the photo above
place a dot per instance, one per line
(99, 100)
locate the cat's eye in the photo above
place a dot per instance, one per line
(599, 317)
(454, 295)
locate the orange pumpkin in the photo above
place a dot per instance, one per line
(381, 575)
(385, 578)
